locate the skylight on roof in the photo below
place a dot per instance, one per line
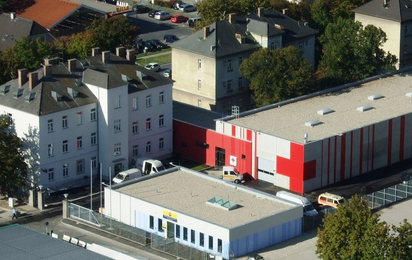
(221, 203)
(364, 108)
(375, 97)
(313, 123)
(409, 94)
(325, 111)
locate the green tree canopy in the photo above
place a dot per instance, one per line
(352, 52)
(277, 75)
(13, 169)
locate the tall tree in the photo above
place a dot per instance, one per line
(277, 75)
(13, 169)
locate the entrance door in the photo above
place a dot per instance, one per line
(170, 230)
(220, 156)
(118, 167)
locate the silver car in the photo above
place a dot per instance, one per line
(153, 66)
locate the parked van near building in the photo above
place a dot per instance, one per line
(329, 199)
(308, 209)
(127, 175)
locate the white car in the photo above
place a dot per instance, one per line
(162, 15)
(153, 66)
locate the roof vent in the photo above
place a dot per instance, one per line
(221, 203)
(313, 123)
(5, 90)
(73, 93)
(79, 83)
(375, 97)
(409, 94)
(56, 96)
(364, 108)
(126, 78)
(30, 97)
(325, 111)
(18, 93)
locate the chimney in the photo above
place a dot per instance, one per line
(232, 18)
(71, 64)
(32, 80)
(95, 51)
(240, 38)
(52, 61)
(285, 11)
(121, 52)
(261, 11)
(206, 31)
(131, 55)
(105, 56)
(22, 73)
(47, 70)
(12, 15)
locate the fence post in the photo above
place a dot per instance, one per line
(65, 208)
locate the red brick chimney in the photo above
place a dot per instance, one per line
(106, 56)
(22, 74)
(121, 52)
(71, 64)
(232, 18)
(261, 11)
(95, 51)
(54, 60)
(47, 70)
(131, 55)
(33, 78)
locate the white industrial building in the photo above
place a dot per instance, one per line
(206, 213)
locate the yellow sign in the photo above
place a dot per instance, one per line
(169, 215)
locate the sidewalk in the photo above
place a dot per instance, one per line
(6, 215)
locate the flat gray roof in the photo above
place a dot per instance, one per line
(288, 119)
(185, 191)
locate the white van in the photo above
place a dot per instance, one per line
(308, 209)
(127, 175)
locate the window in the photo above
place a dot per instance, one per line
(210, 242)
(199, 84)
(199, 103)
(80, 166)
(50, 150)
(240, 83)
(201, 239)
(161, 97)
(229, 86)
(135, 104)
(79, 142)
(65, 146)
(93, 139)
(229, 65)
(240, 60)
(161, 143)
(159, 225)
(192, 236)
(117, 148)
(50, 125)
(406, 29)
(161, 120)
(148, 147)
(148, 124)
(64, 122)
(177, 231)
(94, 162)
(199, 64)
(224, 84)
(148, 101)
(185, 233)
(65, 170)
(219, 245)
(243, 157)
(135, 150)
(51, 174)
(135, 127)
(202, 144)
(117, 101)
(93, 115)
(117, 125)
(240, 102)
(151, 222)
(79, 118)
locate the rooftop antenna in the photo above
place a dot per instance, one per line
(305, 137)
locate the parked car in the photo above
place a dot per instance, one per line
(187, 8)
(156, 43)
(177, 4)
(162, 15)
(167, 73)
(152, 13)
(178, 18)
(141, 9)
(329, 199)
(153, 66)
(170, 38)
(192, 21)
(255, 257)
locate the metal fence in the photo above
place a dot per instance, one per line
(390, 195)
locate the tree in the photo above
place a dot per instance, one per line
(13, 169)
(352, 52)
(354, 232)
(277, 75)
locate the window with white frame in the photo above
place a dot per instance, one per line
(148, 101)
(117, 101)
(149, 147)
(161, 97)
(161, 120)
(199, 84)
(65, 146)
(50, 150)
(199, 64)
(229, 65)
(50, 125)
(51, 174)
(65, 170)
(161, 143)
(117, 148)
(135, 150)
(93, 138)
(229, 86)
(80, 166)
(148, 124)
(93, 114)
(135, 103)
(79, 118)
(135, 127)
(117, 126)
(79, 142)
(94, 162)
(64, 121)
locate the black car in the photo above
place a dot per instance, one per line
(156, 43)
(141, 9)
(152, 13)
(170, 38)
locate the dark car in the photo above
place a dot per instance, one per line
(152, 13)
(170, 38)
(156, 43)
(141, 9)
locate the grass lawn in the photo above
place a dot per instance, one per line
(161, 59)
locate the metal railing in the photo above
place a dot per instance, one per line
(390, 195)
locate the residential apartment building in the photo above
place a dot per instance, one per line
(206, 63)
(394, 17)
(73, 116)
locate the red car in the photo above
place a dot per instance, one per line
(178, 18)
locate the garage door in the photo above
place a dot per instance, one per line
(266, 170)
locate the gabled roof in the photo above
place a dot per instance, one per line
(14, 28)
(48, 13)
(395, 10)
